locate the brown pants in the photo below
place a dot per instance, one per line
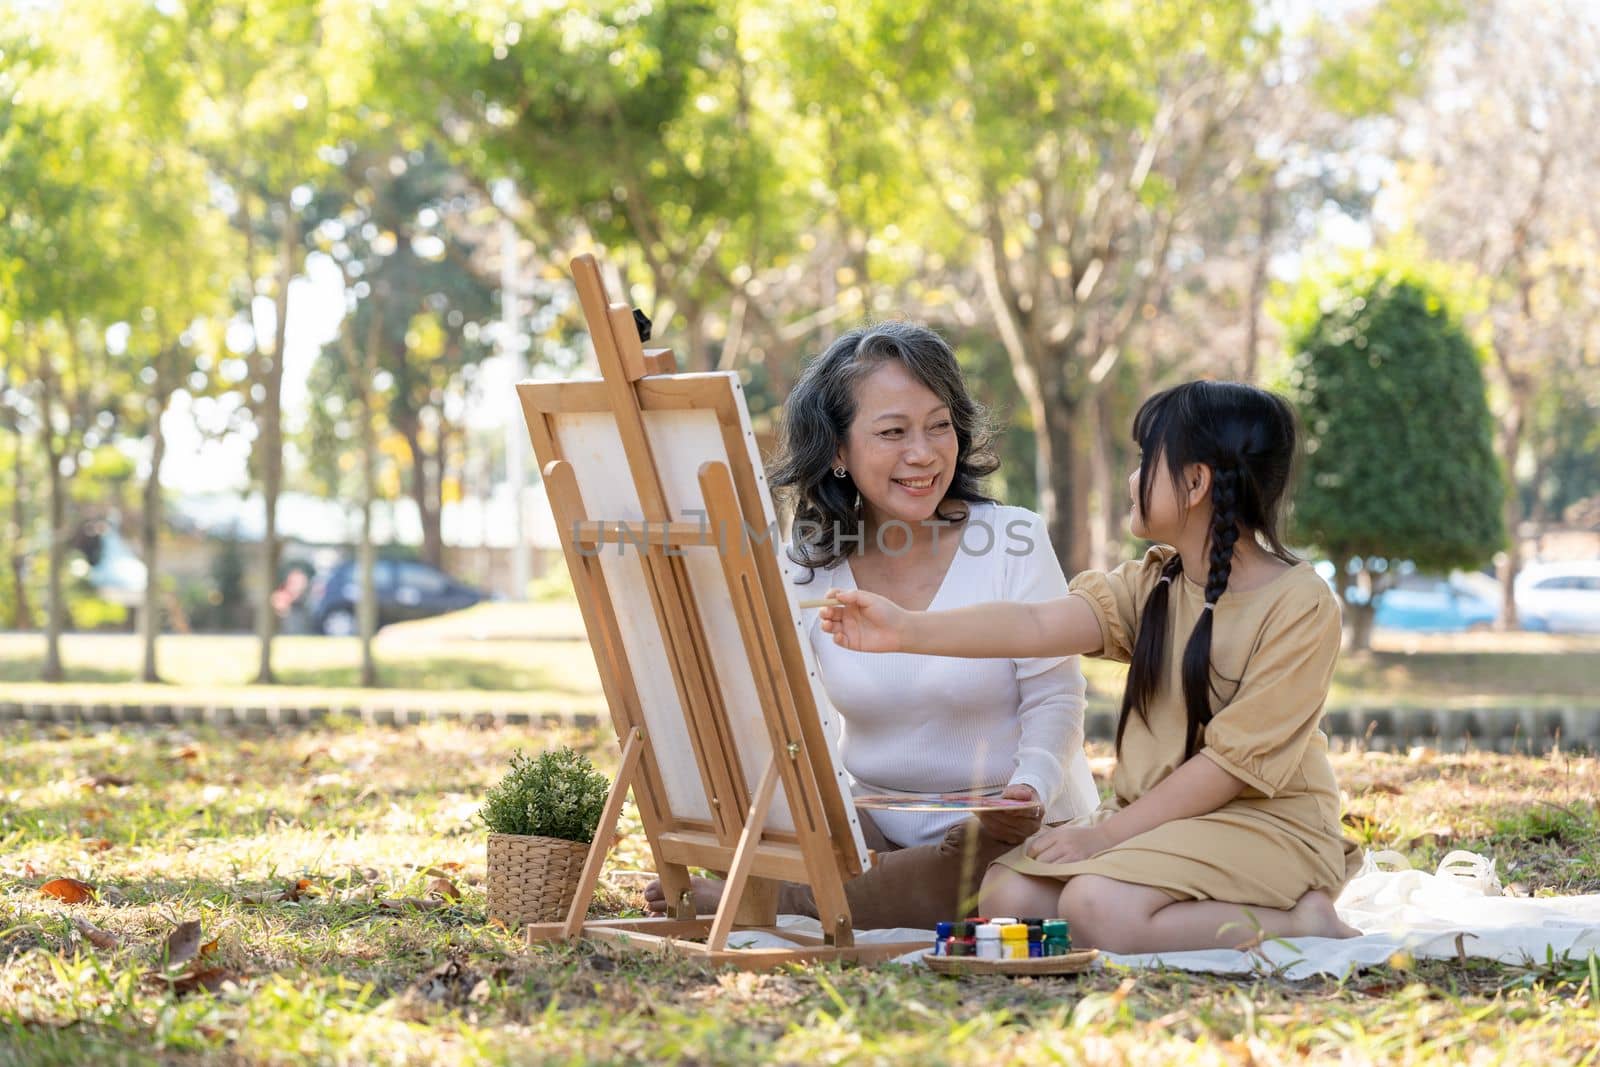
(913, 887)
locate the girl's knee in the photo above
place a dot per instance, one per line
(1005, 892)
(1098, 913)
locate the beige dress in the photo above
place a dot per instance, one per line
(1272, 654)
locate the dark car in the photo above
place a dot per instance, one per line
(406, 590)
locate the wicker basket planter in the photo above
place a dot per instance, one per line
(532, 879)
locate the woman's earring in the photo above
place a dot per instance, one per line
(839, 471)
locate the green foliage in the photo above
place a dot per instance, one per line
(1399, 460)
(560, 794)
(1364, 69)
(1564, 430)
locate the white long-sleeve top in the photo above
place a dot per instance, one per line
(932, 724)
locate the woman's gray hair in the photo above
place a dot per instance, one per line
(816, 422)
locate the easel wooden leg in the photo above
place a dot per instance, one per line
(606, 833)
(759, 905)
(733, 892)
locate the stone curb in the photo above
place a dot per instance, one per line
(72, 713)
(1506, 728)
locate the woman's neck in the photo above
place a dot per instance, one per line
(899, 539)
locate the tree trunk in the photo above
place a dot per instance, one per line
(150, 544)
(1062, 490)
(367, 610)
(21, 617)
(56, 619)
(1358, 634)
(269, 426)
(1511, 560)
(422, 492)
(699, 357)
(1259, 277)
(1107, 528)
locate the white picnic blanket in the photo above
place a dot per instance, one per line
(1457, 910)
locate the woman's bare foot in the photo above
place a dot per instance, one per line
(707, 895)
(1314, 916)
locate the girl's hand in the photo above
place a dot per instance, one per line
(866, 623)
(1017, 824)
(1068, 844)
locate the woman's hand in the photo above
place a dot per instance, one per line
(1068, 844)
(866, 622)
(1014, 825)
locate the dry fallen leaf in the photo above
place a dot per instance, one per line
(294, 891)
(187, 752)
(211, 979)
(183, 944)
(402, 903)
(97, 844)
(96, 814)
(68, 890)
(444, 887)
(452, 983)
(444, 869)
(97, 937)
(100, 781)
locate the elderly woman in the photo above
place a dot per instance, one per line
(882, 458)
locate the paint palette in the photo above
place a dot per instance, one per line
(944, 802)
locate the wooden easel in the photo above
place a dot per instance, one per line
(743, 700)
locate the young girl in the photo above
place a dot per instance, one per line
(1224, 826)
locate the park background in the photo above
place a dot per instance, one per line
(269, 268)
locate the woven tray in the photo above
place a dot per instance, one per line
(532, 879)
(1074, 962)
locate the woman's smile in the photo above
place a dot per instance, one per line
(917, 486)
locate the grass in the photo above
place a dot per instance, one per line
(172, 826)
(538, 651)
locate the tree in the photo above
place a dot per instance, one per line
(1079, 155)
(1501, 173)
(637, 125)
(70, 217)
(1399, 461)
(262, 89)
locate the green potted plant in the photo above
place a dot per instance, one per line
(541, 817)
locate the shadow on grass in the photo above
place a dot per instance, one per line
(440, 673)
(31, 669)
(1551, 846)
(1472, 673)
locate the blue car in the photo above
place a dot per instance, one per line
(406, 590)
(1432, 604)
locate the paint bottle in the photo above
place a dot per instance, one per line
(988, 938)
(941, 939)
(1014, 941)
(962, 940)
(1057, 937)
(1035, 938)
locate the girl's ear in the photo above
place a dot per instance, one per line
(1196, 484)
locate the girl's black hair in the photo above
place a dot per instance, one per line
(1246, 436)
(816, 422)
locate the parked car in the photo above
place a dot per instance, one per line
(406, 590)
(1560, 597)
(1425, 602)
